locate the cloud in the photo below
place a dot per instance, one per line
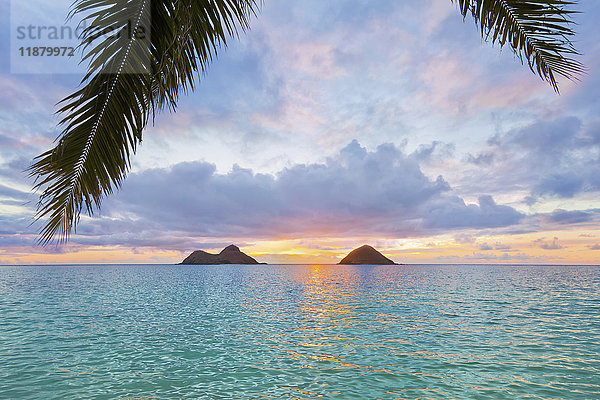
(548, 245)
(356, 192)
(454, 213)
(481, 159)
(547, 140)
(595, 246)
(548, 158)
(11, 193)
(464, 238)
(503, 247)
(560, 184)
(485, 247)
(570, 217)
(435, 149)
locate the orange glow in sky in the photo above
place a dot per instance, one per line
(565, 247)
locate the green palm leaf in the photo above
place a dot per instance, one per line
(538, 31)
(128, 79)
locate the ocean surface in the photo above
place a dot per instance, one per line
(299, 332)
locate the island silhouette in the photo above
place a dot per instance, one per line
(229, 255)
(364, 255)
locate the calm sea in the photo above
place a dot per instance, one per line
(300, 332)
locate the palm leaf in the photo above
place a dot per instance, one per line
(538, 31)
(128, 80)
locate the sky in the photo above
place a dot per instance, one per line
(326, 126)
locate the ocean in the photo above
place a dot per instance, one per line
(299, 332)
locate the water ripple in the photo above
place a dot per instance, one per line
(300, 332)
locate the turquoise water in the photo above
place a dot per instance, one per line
(299, 332)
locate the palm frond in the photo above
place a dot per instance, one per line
(538, 31)
(128, 79)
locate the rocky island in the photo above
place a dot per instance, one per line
(229, 255)
(366, 255)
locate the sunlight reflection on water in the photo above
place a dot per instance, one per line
(311, 331)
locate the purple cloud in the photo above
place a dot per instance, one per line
(548, 245)
(571, 217)
(357, 192)
(485, 247)
(555, 158)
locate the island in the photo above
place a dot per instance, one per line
(229, 255)
(366, 255)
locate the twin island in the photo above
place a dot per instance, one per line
(364, 255)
